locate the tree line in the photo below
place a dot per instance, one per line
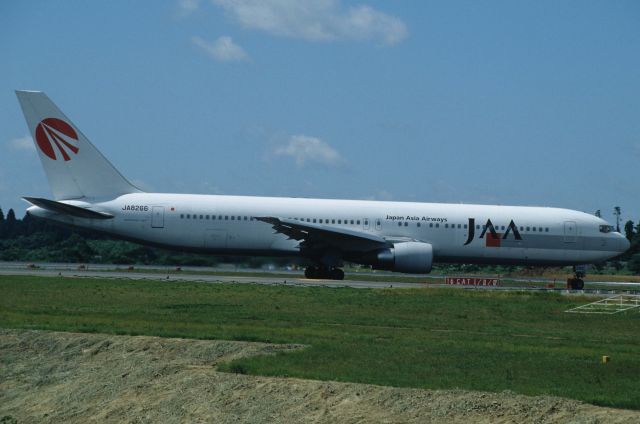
(38, 240)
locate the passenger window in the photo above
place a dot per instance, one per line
(528, 229)
(358, 222)
(181, 216)
(437, 225)
(405, 224)
(201, 217)
(314, 220)
(188, 216)
(399, 224)
(339, 221)
(206, 216)
(521, 228)
(477, 227)
(459, 226)
(431, 225)
(233, 218)
(446, 225)
(333, 221)
(534, 228)
(226, 217)
(418, 224)
(465, 226)
(245, 218)
(540, 229)
(352, 222)
(546, 230)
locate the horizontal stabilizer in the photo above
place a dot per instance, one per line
(59, 207)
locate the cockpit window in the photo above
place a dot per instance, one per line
(607, 229)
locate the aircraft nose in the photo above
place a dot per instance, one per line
(623, 244)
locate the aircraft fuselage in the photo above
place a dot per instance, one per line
(226, 225)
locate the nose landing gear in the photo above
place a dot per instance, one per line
(323, 273)
(577, 282)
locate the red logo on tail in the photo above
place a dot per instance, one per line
(55, 132)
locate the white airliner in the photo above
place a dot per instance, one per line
(88, 192)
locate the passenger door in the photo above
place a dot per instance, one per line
(157, 217)
(215, 239)
(570, 231)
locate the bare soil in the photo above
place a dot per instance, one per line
(80, 378)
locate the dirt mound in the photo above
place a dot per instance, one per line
(68, 377)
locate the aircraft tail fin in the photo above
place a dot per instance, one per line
(74, 167)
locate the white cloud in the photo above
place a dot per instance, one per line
(23, 143)
(316, 20)
(223, 49)
(187, 7)
(305, 149)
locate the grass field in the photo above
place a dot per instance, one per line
(423, 337)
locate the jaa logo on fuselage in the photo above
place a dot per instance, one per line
(493, 237)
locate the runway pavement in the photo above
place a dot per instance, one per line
(204, 278)
(294, 278)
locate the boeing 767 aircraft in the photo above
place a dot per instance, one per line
(88, 192)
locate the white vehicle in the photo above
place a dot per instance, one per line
(88, 192)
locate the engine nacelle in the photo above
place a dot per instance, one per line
(411, 257)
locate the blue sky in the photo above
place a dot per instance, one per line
(508, 102)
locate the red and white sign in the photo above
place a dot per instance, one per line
(52, 132)
(472, 281)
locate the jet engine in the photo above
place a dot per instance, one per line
(411, 257)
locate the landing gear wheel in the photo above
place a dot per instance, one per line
(337, 274)
(575, 283)
(321, 273)
(311, 272)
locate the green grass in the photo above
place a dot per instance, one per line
(422, 337)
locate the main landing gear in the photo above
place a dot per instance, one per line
(323, 273)
(577, 282)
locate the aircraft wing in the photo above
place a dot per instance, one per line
(320, 236)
